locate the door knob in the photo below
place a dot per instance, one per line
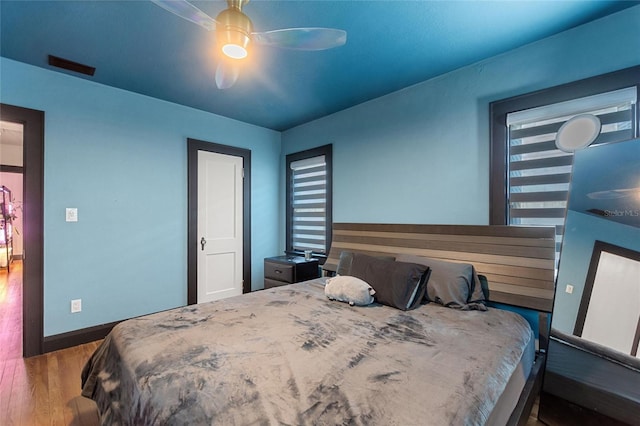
(202, 243)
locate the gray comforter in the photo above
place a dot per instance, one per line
(290, 356)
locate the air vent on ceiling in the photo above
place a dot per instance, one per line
(71, 66)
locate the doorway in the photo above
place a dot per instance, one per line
(224, 156)
(32, 122)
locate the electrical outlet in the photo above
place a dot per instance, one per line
(76, 305)
(569, 289)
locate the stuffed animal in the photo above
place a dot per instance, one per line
(349, 289)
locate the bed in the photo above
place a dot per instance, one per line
(288, 355)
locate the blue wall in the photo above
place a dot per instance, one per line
(421, 155)
(120, 158)
(581, 232)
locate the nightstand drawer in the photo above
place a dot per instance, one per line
(278, 271)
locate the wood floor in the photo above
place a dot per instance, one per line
(45, 390)
(42, 390)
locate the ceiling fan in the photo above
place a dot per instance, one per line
(235, 35)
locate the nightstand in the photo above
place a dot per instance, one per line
(283, 270)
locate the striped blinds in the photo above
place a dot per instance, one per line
(309, 204)
(539, 173)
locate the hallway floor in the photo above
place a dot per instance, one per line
(42, 390)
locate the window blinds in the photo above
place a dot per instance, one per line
(539, 173)
(309, 204)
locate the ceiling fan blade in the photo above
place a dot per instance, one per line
(302, 38)
(227, 74)
(187, 11)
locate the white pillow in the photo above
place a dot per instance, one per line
(352, 290)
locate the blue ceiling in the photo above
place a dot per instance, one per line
(138, 46)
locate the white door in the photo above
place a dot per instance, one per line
(219, 226)
(614, 285)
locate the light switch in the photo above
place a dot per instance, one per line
(569, 289)
(76, 306)
(72, 214)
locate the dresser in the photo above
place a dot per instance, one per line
(283, 270)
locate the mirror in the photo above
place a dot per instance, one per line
(598, 289)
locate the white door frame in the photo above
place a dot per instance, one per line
(193, 146)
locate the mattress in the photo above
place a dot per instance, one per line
(509, 398)
(288, 355)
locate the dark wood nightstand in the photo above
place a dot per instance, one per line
(283, 270)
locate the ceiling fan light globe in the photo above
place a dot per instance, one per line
(234, 51)
(578, 132)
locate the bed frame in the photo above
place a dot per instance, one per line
(519, 263)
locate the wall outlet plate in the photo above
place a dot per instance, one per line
(76, 306)
(569, 289)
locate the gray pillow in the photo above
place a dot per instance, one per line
(484, 284)
(454, 285)
(397, 284)
(346, 259)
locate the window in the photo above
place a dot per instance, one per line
(309, 196)
(539, 173)
(529, 176)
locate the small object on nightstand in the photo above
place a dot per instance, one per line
(283, 270)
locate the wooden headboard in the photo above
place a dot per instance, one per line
(517, 261)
